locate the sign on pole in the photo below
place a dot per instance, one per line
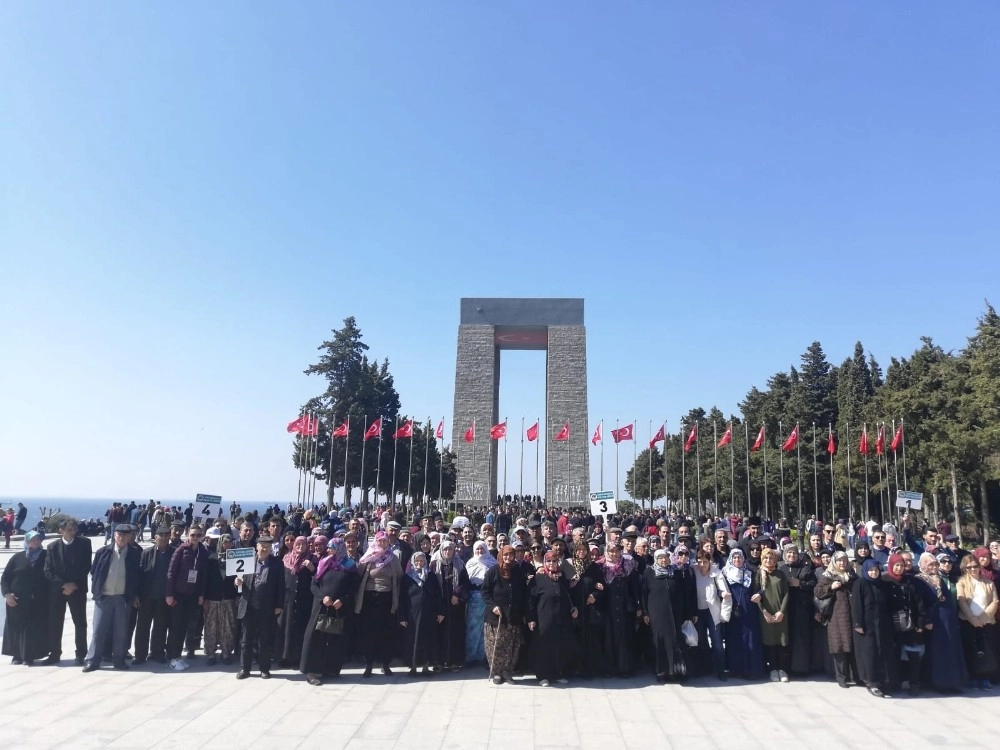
(207, 506)
(239, 562)
(909, 500)
(603, 503)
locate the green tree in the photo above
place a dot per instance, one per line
(637, 478)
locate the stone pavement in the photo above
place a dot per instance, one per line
(151, 707)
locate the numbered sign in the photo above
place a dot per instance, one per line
(207, 506)
(909, 500)
(239, 562)
(603, 507)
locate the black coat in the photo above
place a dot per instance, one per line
(69, 563)
(874, 647)
(25, 629)
(509, 594)
(270, 587)
(801, 613)
(668, 601)
(549, 606)
(323, 653)
(419, 607)
(618, 612)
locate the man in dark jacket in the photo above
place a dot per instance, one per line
(67, 565)
(115, 584)
(153, 610)
(186, 581)
(262, 598)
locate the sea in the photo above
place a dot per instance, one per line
(81, 508)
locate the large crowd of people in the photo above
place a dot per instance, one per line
(514, 592)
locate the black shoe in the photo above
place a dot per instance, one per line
(265, 675)
(210, 661)
(49, 661)
(159, 658)
(227, 660)
(368, 672)
(876, 692)
(314, 679)
(121, 667)
(128, 656)
(138, 660)
(190, 653)
(15, 660)
(91, 667)
(386, 671)
(914, 690)
(242, 674)
(497, 679)
(843, 684)
(29, 662)
(412, 672)
(80, 661)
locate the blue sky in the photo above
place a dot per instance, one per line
(193, 195)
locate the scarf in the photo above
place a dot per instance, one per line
(337, 560)
(295, 561)
(32, 554)
(506, 568)
(739, 576)
(893, 559)
(478, 565)
(417, 575)
(987, 574)
(375, 557)
(661, 571)
(619, 569)
(832, 571)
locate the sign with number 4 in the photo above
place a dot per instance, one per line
(239, 562)
(207, 506)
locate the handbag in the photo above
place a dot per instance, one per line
(330, 624)
(902, 621)
(824, 607)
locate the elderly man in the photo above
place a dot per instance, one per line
(399, 548)
(115, 583)
(67, 566)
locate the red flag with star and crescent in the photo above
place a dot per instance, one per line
(341, 431)
(439, 432)
(692, 438)
(759, 441)
(793, 440)
(498, 431)
(863, 444)
(405, 430)
(298, 425)
(727, 436)
(880, 440)
(897, 439)
(831, 444)
(659, 437)
(470, 434)
(596, 438)
(375, 429)
(563, 434)
(624, 433)
(532, 433)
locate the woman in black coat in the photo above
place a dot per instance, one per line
(801, 611)
(910, 620)
(874, 642)
(421, 609)
(505, 596)
(25, 591)
(588, 598)
(619, 610)
(300, 568)
(333, 590)
(550, 618)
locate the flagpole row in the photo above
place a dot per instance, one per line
(746, 437)
(815, 481)
(364, 442)
(329, 475)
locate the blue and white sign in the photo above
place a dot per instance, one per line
(207, 506)
(239, 562)
(909, 500)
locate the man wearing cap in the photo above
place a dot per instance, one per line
(400, 549)
(67, 565)
(752, 535)
(260, 602)
(176, 534)
(187, 577)
(154, 614)
(956, 554)
(115, 583)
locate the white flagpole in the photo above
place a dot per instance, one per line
(766, 509)
(697, 464)
(427, 456)
(618, 476)
(347, 445)
(409, 471)
(847, 452)
(635, 423)
(602, 455)
(538, 440)
(364, 429)
(746, 436)
(301, 462)
(649, 463)
(798, 466)
(504, 459)
(441, 465)
(520, 491)
(683, 477)
(715, 464)
(378, 460)
(732, 470)
(395, 451)
(815, 480)
(833, 500)
(902, 439)
(474, 436)
(781, 465)
(329, 475)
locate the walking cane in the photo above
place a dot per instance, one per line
(496, 642)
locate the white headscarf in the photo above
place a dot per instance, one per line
(477, 565)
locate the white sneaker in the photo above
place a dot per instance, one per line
(179, 665)
(775, 677)
(543, 683)
(783, 675)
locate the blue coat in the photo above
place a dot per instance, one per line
(102, 563)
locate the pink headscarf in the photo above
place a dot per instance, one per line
(295, 560)
(376, 557)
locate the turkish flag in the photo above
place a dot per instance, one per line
(831, 444)
(793, 440)
(759, 441)
(727, 437)
(863, 445)
(342, 430)
(563, 434)
(897, 439)
(880, 441)
(660, 436)
(405, 431)
(597, 435)
(532, 433)
(375, 429)
(298, 425)
(623, 433)
(470, 434)
(312, 426)
(498, 431)
(692, 438)
(439, 432)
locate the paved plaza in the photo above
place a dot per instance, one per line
(151, 707)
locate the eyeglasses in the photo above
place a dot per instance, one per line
(827, 531)
(878, 536)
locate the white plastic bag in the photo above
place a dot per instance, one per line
(690, 633)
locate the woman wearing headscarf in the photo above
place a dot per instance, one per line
(300, 567)
(25, 591)
(377, 603)
(977, 609)
(874, 643)
(753, 555)
(421, 610)
(476, 568)
(658, 612)
(334, 590)
(505, 594)
(621, 606)
(220, 605)
(837, 583)
(550, 618)
(712, 593)
(813, 552)
(744, 654)
(588, 597)
(802, 623)
(770, 594)
(862, 552)
(909, 618)
(944, 663)
(454, 582)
